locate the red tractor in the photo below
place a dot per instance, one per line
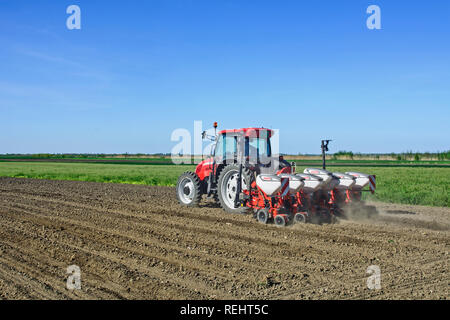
(243, 176)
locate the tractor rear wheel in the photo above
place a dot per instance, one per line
(189, 189)
(227, 187)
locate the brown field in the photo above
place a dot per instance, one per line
(136, 242)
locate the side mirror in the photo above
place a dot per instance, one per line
(203, 134)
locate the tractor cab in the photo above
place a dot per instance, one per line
(249, 145)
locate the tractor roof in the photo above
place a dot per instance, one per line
(255, 132)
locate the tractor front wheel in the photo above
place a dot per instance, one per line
(189, 189)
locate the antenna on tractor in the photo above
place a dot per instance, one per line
(324, 149)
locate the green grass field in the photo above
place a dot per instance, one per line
(159, 175)
(426, 186)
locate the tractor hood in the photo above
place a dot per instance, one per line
(204, 168)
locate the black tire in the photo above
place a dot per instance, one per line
(280, 221)
(262, 216)
(189, 192)
(215, 195)
(225, 199)
(300, 218)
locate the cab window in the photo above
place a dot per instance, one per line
(226, 147)
(258, 147)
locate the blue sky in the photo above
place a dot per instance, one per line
(137, 70)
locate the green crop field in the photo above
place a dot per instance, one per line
(415, 185)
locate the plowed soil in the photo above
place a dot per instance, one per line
(136, 242)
